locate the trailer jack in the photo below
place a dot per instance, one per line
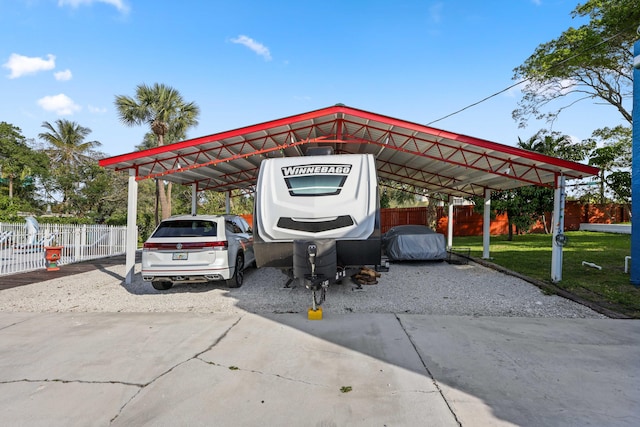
(318, 285)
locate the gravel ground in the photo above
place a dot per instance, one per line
(417, 288)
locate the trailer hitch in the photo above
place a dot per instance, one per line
(317, 283)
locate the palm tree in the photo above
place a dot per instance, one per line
(68, 151)
(556, 144)
(163, 109)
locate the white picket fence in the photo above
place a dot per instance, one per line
(23, 250)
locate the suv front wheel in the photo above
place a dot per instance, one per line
(238, 275)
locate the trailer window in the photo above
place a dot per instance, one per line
(315, 185)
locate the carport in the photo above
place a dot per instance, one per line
(434, 160)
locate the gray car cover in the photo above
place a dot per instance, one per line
(413, 243)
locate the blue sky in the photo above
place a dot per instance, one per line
(249, 61)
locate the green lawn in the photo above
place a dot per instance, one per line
(530, 255)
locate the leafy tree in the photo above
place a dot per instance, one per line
(146, 209)
(589, 62)
(163, 109)
(395, 194)
(214, 202)
(523, 206)
(11, 207)
(620, 183)
(20, 165)
(612, 156)
(519, 211)
(102, 195)
(68, 152)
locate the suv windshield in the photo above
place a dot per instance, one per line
(186, 228)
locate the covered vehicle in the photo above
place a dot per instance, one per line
(414, 243)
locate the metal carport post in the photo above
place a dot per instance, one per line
(132, 228)
(450, 223)
(557, 240)
(194, 199)
(486, 225)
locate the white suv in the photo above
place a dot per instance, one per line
(198, 248)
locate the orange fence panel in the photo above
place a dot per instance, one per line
(466, 222)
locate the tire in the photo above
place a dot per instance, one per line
(238, 274)
(162, 285)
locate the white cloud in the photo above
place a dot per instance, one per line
(61, 104)
(537, 2)
(121, 5)
(63, 76)
(22, 65)
(255, 46)
(96, 110)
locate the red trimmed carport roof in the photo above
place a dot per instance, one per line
(405, 152)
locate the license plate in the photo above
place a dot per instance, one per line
(180, 256)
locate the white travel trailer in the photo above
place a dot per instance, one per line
(317, 216)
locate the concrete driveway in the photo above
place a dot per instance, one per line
(346, 370)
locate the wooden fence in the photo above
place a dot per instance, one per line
(469, 223)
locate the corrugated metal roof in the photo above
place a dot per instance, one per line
(428, 158)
